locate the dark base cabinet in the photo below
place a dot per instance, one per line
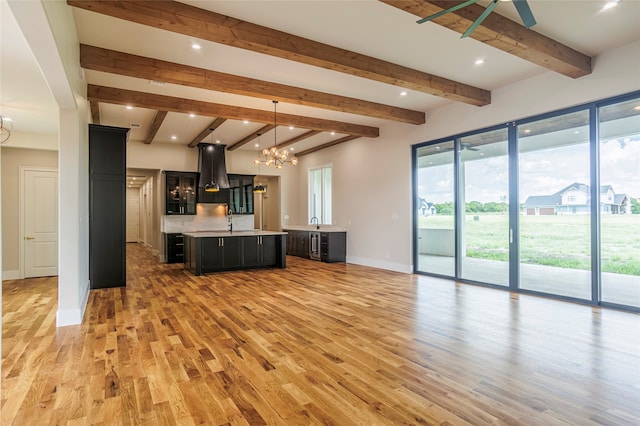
(298, 243)
(211, 254)
(333, 246)
(107, 206)
(174, 244)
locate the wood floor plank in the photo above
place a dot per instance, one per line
(315, 343)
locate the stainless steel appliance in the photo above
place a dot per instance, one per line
(314, 245)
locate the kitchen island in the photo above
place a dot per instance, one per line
(225, 250)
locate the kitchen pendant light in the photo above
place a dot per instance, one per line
(212, 186)
(259, 188)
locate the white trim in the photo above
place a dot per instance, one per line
(11, 275)
(73, 316)
(391, 266)
(21, 209)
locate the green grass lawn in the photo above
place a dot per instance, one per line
(562, 241)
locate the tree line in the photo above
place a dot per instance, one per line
(494, 207)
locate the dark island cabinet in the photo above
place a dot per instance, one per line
(107, 206)
(211, 254)
(180, 193)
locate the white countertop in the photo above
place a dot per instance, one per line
(254, 232)
(323, 228)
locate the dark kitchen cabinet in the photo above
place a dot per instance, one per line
(211, 254)
(174, 244)
(298, 243)
(259, 250)
(180, 193)
(107, 206)
(333, 246)
(241, 193)
(220, 253)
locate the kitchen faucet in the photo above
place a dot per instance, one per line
(317, 222)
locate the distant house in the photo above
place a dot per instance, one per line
(576, 199)
(426, 209)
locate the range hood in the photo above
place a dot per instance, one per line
(212, 167)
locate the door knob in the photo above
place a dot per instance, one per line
(29, 238)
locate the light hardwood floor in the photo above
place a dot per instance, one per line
(313, 344)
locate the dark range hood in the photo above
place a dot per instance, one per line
(212, 167)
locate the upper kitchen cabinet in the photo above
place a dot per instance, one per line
(180, 192)
(241, 193)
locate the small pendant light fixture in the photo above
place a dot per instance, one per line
(259, 188)
(212, 186)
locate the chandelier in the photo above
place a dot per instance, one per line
(273, 155)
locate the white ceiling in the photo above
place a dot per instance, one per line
(368, 27)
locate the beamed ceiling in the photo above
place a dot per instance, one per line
(336, 68)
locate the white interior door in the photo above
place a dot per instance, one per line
(133, 219)
(40, 220)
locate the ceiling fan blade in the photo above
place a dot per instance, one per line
(525, 13)
(445, 11)
(481, 18)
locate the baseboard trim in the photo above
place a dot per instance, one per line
(390, 266)
(11, 275)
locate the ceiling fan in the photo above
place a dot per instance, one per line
(521, 6)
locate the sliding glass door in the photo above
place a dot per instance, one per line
(555, 193)
(620, 202)
(484, 189)
(435, 208)
(548, 204)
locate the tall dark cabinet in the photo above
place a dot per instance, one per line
(107, 206)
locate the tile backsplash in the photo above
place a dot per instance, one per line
(209, 217)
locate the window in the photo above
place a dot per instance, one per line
(320, 195)
(571, 227)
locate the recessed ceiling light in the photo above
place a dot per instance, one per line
(636, 108)
(479, 61)
(257, 145)
(403, 93)
(291, 149)
(291, 127)
(610, 4)
(527, 130)
(245, 121)
(575, 132)
(217, 140)
(196, 46)
(192, 115)
(157, 83)
(129, 107)
(333, 133)
(174, 137)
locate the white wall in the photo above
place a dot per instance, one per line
(372, 177)
(49, 29)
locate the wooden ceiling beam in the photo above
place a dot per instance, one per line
(504, 34)
(250, 137)
(114, 62)
(206, 132)
(173, 104)
(327, 145)
(95, 112)
(298, 138)
(206, 25)
(155, 126)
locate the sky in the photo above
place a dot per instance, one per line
(542, 172)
